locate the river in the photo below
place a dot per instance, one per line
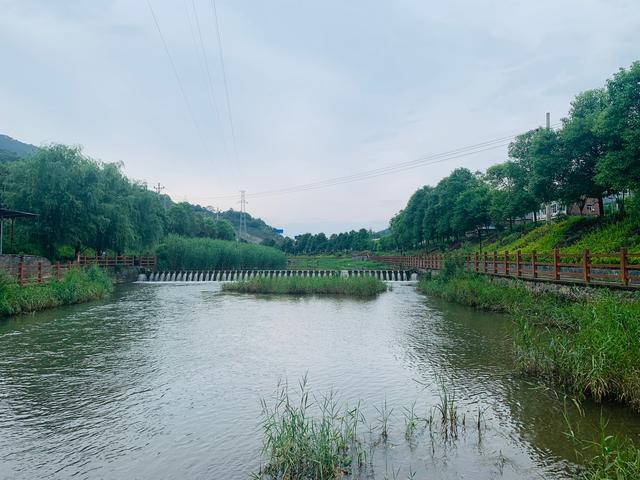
(165, 381)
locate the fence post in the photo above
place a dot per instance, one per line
(21, 272)
(56, 270)
(475, 261)
(624, 276)
(506, 263)
(39, 272)
(484, 257)
(495, 262)
(556, 260)
(518, 264)
(585, 265)
(534, 266)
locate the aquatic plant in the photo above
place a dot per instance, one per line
(332, 285)
(306, 438)
(587, 344)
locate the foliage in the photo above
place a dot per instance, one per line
(331, 285)
(83, 204)
(332, 262)
(310, 244)
(180, 253)
(75, 287)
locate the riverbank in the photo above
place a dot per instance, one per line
(361, 287)
(76, 286)
(586, 343)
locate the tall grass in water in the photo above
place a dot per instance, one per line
(307, 438)
(75, 287)
(588, 344)
(362, 287)
(178, 253)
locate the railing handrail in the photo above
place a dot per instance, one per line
(576, 267)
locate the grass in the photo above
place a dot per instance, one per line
(588, 344)
(182, 253)
(306, 438)
(76, 286)
(571, 235)
(331, 262)
(317, 437)
(362, 287)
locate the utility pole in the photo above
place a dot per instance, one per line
(242, 228)
(548, 205)
(158, 188)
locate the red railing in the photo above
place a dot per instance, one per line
(120, 260)
(613, 269)
(29, 272)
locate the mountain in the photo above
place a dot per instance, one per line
(12, 149)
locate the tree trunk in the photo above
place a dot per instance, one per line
(510, 224)
(601, 205)
(535, 217)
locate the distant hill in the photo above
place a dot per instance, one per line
(12, 149)
(257, 229)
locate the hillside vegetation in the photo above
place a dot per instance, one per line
(570, 235)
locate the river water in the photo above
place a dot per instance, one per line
(165, 381)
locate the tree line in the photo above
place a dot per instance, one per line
(595, 152)
(310, 244)
(84, 205)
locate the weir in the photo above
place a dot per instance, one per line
(237, 275)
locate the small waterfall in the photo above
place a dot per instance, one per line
(414, 277)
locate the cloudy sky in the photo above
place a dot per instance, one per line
(316, 89)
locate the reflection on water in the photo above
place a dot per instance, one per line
(164, 381)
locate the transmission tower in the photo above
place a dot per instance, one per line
(242, 228)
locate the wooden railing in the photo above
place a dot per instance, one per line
(121, 260)
(29, 273)
(33, 272)
(613, 269)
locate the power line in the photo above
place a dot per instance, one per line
(224, 79)
(204, 63)
(177, 75)
(398, 167)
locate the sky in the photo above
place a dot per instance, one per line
(314, 90)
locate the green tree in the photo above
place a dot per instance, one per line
(620, 127)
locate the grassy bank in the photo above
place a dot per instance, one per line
(362, 287)
(331, 262)
(588, 344)
(77, 286)
(182, 253)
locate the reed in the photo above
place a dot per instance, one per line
(182, 253)
(307, 438)
(588, 344)
(362, 287)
